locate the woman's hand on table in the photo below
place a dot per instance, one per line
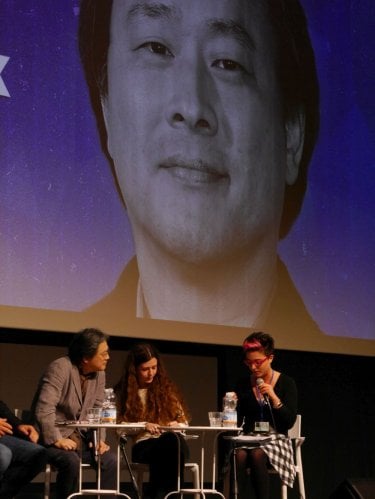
(153, 428)
(176, 424)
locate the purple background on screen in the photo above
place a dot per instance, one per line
(64, 234)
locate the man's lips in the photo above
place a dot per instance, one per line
(194, 171)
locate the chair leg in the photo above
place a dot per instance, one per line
(140, 469)
(139, 480)
(301, 485)
(47, 481)
(301, 482)
(194, 468)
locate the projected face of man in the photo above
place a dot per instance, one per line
(195, 125)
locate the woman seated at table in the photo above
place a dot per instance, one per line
(146, 393)
(266, 396)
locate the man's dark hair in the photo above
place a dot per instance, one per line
(85, 344)
(296, 69)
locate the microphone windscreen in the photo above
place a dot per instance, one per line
(259, 381)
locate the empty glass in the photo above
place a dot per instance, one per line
(215, 418)
(93, 414)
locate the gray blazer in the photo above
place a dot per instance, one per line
(59, 398)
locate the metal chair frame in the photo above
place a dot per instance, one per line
(140, 469)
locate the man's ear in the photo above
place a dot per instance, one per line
(105, 113)
(295, 138)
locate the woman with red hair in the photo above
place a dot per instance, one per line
(146, 393)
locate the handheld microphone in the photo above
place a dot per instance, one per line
(259, 382)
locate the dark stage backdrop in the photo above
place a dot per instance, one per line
(335, 399)
(336, 394)
(64, 233)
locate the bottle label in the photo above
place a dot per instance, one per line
(109, 415)
(230, 418)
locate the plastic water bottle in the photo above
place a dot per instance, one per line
(229, 409)
(109, 412)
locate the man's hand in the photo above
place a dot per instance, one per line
(102, 447)
(5, 428)
(29, 431)
(65, 444)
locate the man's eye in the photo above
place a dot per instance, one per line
(156, 48)
(228, 65)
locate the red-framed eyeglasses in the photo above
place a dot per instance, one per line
(256, 363)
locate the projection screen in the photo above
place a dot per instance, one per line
(157, 213)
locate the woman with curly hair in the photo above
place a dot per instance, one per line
(146, 393)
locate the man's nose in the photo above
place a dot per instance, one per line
(192, 100)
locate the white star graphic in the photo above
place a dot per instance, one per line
(3, 89)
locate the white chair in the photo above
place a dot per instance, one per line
(140, 469)
(297, 440)
(47, 481)
(48, 478)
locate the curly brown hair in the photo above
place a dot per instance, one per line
(164, 401)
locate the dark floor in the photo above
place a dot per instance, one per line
(35, 491)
